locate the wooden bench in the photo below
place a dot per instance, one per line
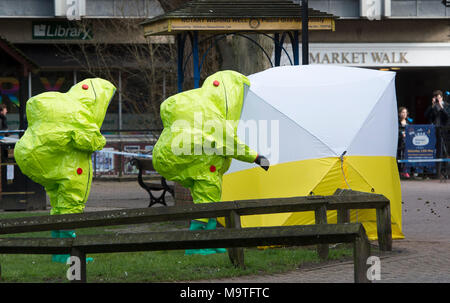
(147, 164)
(230, 210)
(342, 201)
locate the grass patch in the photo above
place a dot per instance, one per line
(156, 266)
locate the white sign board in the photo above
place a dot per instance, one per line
(72, 9)
(376, 54)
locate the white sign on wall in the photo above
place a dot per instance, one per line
(376, 54)
(72, 9)
(374, 9)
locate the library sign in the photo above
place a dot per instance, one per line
(377, 54)
(60, 31)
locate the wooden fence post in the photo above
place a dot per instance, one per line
(236, 254)
(321, 218)
(384, 228)
(361, 252)
(82, 258)
(343, 215)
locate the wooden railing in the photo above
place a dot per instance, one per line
(234, 237)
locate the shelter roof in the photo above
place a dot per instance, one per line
(236, 15)
(74, 57)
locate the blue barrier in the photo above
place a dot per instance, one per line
(125, 154)
(423, 160)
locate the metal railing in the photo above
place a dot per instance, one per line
(121, 146)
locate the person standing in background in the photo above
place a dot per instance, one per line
(403, 120)
(3, 112)
(4, 126)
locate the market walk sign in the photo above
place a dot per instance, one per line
(374, 58)
(60, 31)
(376, 54)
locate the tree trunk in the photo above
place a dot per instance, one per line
(243, 55)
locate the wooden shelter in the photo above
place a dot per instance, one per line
(273, 18)
(18, 64)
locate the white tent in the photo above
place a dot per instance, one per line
(322, 127)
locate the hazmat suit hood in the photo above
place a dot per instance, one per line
(96, 99)
(63, 132)
(225, 103)
(230, 95)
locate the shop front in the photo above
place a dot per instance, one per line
(421, 68)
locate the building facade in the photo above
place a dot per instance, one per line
(67, 39)
(77, 39)
(410, 37)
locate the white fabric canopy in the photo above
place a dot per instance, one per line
(317, 111)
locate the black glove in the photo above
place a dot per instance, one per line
(263, 162)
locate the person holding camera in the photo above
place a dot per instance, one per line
(438, 114)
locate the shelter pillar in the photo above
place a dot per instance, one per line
(279, 41)
(194, 40)
(278, 47)
(295, 48)
(181, 40)
(305, 37)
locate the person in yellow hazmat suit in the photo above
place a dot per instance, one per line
(56, 149)
(199, 140)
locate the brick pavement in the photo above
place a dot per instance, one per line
(423, 256)
(410, 262)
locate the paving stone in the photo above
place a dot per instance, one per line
(422, 257)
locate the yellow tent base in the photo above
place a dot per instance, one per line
(318, 177)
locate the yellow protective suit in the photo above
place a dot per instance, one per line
(63, 132)
(199, 141)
